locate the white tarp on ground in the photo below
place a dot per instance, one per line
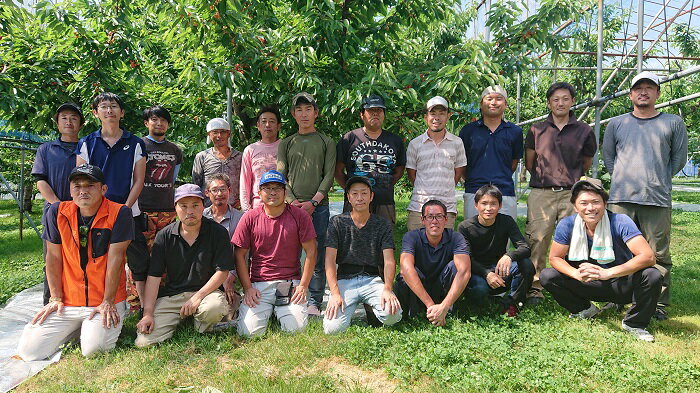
(18, 311)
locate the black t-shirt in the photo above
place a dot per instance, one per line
(158, 188)
(189, 268)
(374, 158)
(488, 244)
(360, 250)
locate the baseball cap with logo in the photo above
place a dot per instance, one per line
(373, 101)
(188, 190)
(92, 172)
(436, 101)
(646, 76)
(272, 177)
(304, 98)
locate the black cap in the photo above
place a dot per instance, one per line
(71, 107)
(373, 101)
(358, 179)
(90, 171)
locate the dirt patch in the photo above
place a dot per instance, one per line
(350, 375)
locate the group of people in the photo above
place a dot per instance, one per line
(246, 217)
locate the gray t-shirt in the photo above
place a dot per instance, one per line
(642, 155)
(360, 250)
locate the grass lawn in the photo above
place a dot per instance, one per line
(686, 196)
(691, 181)
(541, 351)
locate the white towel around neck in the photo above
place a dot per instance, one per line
(602, 241)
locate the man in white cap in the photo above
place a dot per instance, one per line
(642, 151)
(435, 162)
(221, 158)
(493, 147)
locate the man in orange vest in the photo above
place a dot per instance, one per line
(86, 241)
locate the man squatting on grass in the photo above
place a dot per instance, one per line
(274, 234)
(601, 256)
(494, 269)
(86, 242)
(435, 267)
(362, 244)
(195, 255)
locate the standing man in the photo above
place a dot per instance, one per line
(435, 163)
(494, 268)
(274, 234)
(307, 159)
(374, 153)
(122, 158)
(221, 158)
(435, 267)
(87, 239)
(601, 256)
(260, 156)
(195, 256)
(558, 151)
(362, 245)
(53, 163)
(642, 151)
(218, 190)
(494, 148)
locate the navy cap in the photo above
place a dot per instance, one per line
(188, 190)
(373, 101)
(358, 179)
(92, 172)
(272, 177)
(69, 106)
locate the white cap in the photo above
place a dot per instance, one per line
(495, 89)
(435, 101)
(217, 123)
(645, 75)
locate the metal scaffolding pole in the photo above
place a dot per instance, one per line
(640, 35)
(660, 106)
(598, 86)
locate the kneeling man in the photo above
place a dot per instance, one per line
(494, 270)
(362, 244)
(274, 233)
(435, 266)
(602, 256)
(86, 241)
(195, 255)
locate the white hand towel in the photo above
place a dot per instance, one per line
(602, 241)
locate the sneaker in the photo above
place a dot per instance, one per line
(639, 333)
(223, 326)
(588, 313)
(660, 314)
(511, 311)
(313, 311)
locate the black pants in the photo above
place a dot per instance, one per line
(641, 288)
(437, 286)
(137, 255)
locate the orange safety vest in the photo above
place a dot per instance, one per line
(85, 288)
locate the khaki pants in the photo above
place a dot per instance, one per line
(414, 220)
(545, 208)
(167, 316)
(655, 224)
(41, 341)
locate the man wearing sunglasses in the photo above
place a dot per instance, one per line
(435, 266)
(86, 241)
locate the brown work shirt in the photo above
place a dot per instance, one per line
(559, 153)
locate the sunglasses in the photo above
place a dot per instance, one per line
(83, 234)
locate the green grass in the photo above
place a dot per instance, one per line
(686, 180)
(479, 351)
(21, 262)
(685, 196)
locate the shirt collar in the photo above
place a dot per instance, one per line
(125, 134)
(446, 236)
(572, 119)
(448, 136)
(504, 124)
(203, 230)
(154, 141)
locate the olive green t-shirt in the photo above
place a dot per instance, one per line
(308, 163)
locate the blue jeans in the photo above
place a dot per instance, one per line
(517, 283)
(437, 286)
(355, 291)
(317, 286)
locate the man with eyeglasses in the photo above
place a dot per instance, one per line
(87, 239)
(121, 156)
(221, 158)
(435, 267)
(274, 234)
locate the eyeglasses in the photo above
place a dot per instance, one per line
(437, 217)
(218, 190)
(114, 107)
(272, 189)
(83, 235)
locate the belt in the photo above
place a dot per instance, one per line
(555, 189)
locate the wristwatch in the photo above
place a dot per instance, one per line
(315, 203)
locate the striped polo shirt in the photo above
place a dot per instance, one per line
(435, 165)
